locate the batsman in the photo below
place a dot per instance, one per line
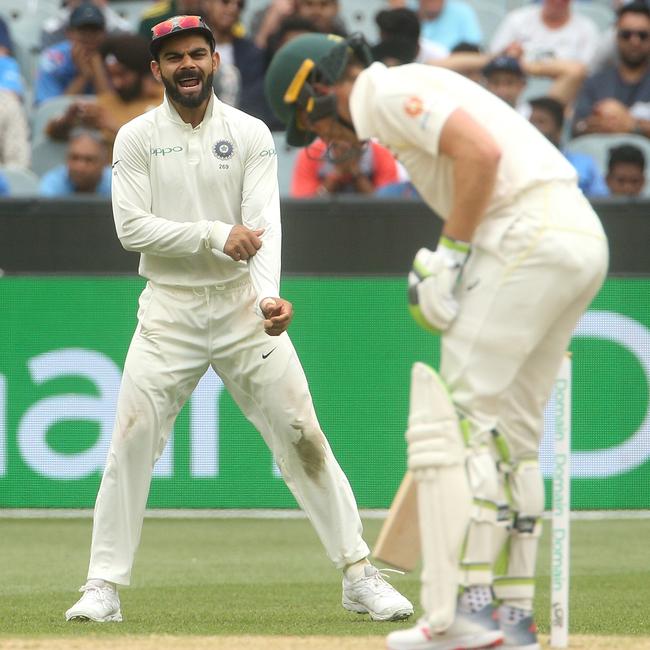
(520, 257)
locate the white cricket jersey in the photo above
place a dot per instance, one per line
(405, 108)
(577, 40)
(174, 184)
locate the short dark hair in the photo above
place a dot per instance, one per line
(290, 24)
(552, 106)
(403, 50)
(400, 22)
(625, 153)
(465, 46)
(634, 7)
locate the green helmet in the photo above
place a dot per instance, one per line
(297, 65)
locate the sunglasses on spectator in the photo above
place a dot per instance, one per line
(239, 3)
(627, 34)
(177, 23)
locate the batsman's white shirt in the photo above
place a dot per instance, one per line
(405, 108)
(174, 184)
(539, 253)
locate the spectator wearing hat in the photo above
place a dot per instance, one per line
(626, 171)
(133, 91)
(74, 66)
(506, 77)
(54, 28)
(547, 114)
(85, 171)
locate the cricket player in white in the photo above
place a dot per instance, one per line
(195, 192)
(521, 255)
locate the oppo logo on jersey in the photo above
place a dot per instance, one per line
(164, 151)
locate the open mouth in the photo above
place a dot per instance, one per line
(189, 84)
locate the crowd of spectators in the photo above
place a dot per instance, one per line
(570, 77)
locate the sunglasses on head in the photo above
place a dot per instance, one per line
(627, 34)
(239, 3)
(175, 24)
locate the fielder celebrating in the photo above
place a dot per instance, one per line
(195, 192)
(520, 258)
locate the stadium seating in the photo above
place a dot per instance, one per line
(22, 182)
(602, 14)
(131, 10)
(47, 154)
(536, 87)
(45, 111)
(598, 145)
(490, 14)
(25, 18)
(359, 16)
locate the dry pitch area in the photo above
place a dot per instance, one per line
(578, 642)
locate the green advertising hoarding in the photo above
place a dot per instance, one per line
(64, 341)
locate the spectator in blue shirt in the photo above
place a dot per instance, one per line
(547, 114)
(448, 22)
(85, 171)
(75, 66)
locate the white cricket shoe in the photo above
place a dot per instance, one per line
(371, 594)
(469, 630)
(99, 603)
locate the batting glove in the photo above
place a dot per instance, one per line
(432, 281)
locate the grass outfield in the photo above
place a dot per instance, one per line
(235, 577)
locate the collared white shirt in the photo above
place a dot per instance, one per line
(406, 108)
(174, 184)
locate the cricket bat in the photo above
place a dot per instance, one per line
(398, 543)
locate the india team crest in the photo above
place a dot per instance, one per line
(413, 106)
(223, 149)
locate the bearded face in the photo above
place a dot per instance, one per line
(189, 88)
(186, 67)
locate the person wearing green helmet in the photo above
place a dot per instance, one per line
(519, 259)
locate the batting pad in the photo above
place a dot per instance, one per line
(436, 456)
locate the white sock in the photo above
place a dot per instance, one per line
(475, 597)
(357, 570)
(511, 615)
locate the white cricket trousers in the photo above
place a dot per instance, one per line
(520, 297)
(181, 332)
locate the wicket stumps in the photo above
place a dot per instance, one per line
(560, 521)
